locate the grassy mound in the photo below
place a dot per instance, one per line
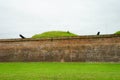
(118, 32)
(54, 34)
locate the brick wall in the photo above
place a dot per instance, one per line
(104, 48)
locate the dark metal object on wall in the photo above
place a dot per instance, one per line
(21, 36)
(98, 33)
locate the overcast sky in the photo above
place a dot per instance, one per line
(82, 17)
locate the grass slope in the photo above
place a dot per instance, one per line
(118, 32)
(59, 71)
(54, 34)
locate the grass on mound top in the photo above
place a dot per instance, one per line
(54, 34)
(118, 32)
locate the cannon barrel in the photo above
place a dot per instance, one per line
(21, 36)
(98, 33)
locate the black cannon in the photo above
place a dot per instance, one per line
(21, 36)
(98, 33)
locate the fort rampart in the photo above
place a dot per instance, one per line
(102, 48)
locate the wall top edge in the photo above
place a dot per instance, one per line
(61, 38)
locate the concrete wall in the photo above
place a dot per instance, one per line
(105, 48)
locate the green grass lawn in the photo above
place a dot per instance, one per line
(59, 71)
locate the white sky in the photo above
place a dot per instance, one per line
(82, 17)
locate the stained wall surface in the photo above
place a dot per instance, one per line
(104, 48)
